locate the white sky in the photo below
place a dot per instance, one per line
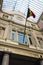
(21, 5)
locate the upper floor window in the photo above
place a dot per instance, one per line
(5, 16)
(20, 38)
(33, 25)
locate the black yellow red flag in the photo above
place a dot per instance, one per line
(30, 13)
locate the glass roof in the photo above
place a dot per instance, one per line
(22, 6)
(17, 5)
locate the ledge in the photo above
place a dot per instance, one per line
(5, 45)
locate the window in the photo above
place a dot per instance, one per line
(9, 4)
(13, 35)
(39, 38)
(20, 38)
(5, 16)
(33, 25)
(19, 18)
(30, 40)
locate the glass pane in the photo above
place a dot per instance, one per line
(17, 5)
(9, 4)
(22, 6)
(20, 38)
(13, 35)
(30, 40)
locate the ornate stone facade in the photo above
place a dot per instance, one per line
(11, 36)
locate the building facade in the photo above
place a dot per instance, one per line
(12, 48)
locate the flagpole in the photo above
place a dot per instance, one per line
(24, 30)
(25, 26)
(29, 13)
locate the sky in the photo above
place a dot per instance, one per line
(22, 6)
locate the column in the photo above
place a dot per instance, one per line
(7, 33)
(5, 60)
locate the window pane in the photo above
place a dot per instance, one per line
(20, 38)
(30, 40)
(13, 35)
(9, 4)
(22, 6)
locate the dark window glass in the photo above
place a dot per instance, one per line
(30, 40)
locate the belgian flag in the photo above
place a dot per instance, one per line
(30, 13)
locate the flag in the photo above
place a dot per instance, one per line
(30, 13)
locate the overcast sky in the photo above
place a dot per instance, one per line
(21, 5)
